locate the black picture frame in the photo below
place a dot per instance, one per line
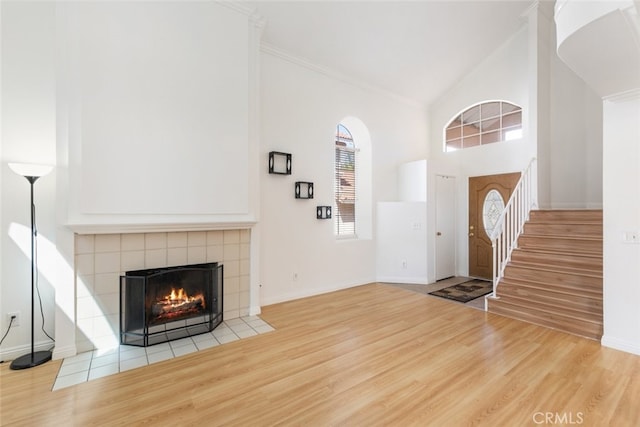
(323, 212)
(304, 190)
(279, 163)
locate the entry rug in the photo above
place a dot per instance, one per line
(465, 292)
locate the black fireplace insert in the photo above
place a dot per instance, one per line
(165, 304)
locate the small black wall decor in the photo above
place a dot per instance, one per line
(323, 212)
(279, 163)
(304, 190)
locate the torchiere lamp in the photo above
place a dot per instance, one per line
(32, 173)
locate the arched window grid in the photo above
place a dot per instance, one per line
(483, 123)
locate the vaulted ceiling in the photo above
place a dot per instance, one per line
(415, 49)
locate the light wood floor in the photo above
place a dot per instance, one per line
(366, 356)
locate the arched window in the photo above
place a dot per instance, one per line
(345, 183)
(484, 123)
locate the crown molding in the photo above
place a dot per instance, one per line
(238, 6)
(303, 62)
(625, 96)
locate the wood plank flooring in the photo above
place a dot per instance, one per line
(372, 355)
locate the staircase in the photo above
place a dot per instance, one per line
(554, 277)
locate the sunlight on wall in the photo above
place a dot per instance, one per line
(53, 266)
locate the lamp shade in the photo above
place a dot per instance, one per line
(29, 169)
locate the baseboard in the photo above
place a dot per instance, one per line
(620, 344)
(62, 352)
(15, 352)
(254, 310)
(290, 296)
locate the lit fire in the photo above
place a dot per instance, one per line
(177, 305)
(179, 297)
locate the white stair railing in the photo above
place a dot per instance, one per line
(510, 224)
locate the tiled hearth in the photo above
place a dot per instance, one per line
(96, 364)
(100, 259)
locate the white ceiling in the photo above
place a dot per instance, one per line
(415, 49)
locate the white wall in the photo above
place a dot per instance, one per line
(502, 76)
(157, 97)
(402, 242)
(412, 181)
(300, 108)
(575, 114)
(621, 215)
(28, 136)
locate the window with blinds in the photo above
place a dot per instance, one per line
(345, 183)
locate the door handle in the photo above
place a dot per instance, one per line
(438, 234)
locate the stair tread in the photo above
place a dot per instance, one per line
(552, 277)
(594, 315)
(589, 330)
(562, 236)
(556, 316)
(572, 298)
(584, 291)
(551, 268)
(556, 252)
(571, 295)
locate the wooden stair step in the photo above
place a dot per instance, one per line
(572, 281)
(557, 321)
(584, 245)
(584, 262)
(549, 312)
(535, 303)
(535, 286)
(548, 296)
(561, 215)
(564, 229)
(558, 268)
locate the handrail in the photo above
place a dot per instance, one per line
(511, 222)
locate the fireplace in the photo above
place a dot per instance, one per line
(165, 304)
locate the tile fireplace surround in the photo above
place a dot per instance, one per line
(100, 259)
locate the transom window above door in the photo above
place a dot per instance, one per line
(484, 123)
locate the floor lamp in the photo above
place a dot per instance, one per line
(32, 173)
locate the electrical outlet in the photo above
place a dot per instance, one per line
(16, 320)
(631, 237)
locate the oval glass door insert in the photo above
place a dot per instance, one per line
(491, 211)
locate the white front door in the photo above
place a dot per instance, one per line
(445, 227)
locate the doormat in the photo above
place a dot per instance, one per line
(465, 292)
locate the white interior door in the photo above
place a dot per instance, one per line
(445, 227)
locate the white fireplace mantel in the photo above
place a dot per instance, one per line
(150, 226)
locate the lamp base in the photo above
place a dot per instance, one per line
(30, 360)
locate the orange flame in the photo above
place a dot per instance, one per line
(180, 296)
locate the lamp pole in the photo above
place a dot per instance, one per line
(34, 358)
